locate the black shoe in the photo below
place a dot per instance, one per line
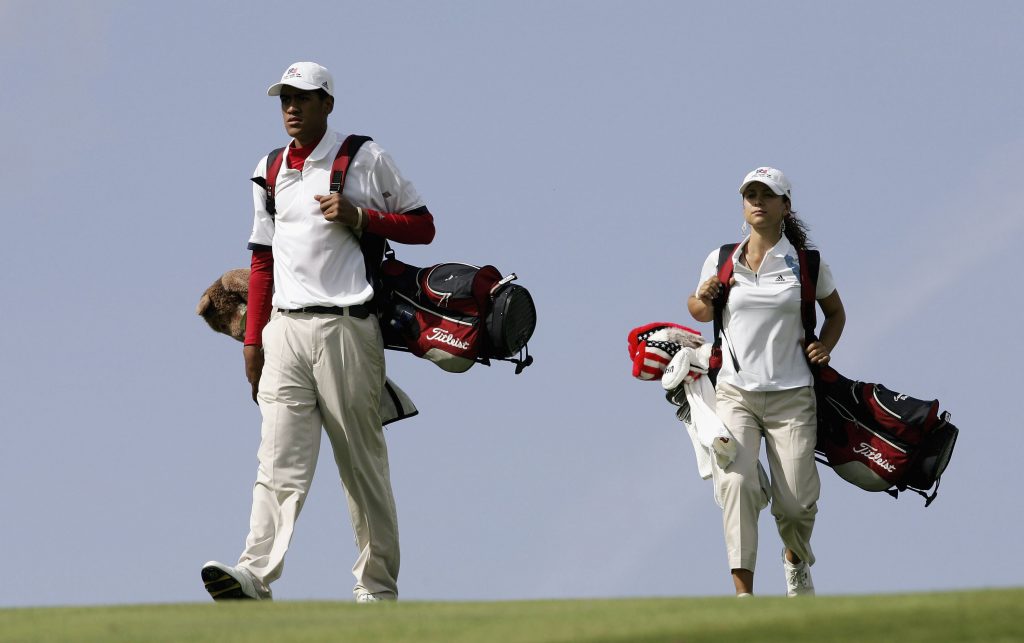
(224, 582)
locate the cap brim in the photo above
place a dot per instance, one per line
(772, 185)
(275, 90)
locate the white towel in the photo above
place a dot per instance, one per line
(711, 440)
(713, 445)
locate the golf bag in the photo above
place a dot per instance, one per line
(881, 440)
(456, 314)
(452, 314)
(872, 437)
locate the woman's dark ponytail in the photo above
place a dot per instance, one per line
(796, 231)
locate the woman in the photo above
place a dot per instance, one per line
(765, 388)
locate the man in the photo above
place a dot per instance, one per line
(319, 360)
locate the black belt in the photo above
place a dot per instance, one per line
(359, 311)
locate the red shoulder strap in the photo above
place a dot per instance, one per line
(725, 270)
(373, 247)
(274, 160)
(339, 169)
(725, 265)
(810, 263)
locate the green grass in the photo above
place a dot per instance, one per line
(989, 615)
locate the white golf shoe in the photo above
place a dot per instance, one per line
(798, 578)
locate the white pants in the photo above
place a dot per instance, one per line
(787, 421)
(323, 370)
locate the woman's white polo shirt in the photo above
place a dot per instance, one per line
(762, 327)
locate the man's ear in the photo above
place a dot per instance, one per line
(330, 104)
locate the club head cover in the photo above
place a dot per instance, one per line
(652, 357)
(685, 337)
(701, 357)
(677, 370)
(652, 347)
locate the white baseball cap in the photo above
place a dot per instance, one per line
(771, 177)
(306, 76)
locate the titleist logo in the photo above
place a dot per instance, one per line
(445, 337)
(875, 456)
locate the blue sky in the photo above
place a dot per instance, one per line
(594, 148)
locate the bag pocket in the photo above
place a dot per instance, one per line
(511, 322)
(871, 459)
(450, 341)
(933, 455)
(908, 418)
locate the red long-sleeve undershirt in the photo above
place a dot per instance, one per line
(413, 227)
(261, 291)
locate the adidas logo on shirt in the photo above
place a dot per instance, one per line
(779, 279)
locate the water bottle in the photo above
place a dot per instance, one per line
(403, 320)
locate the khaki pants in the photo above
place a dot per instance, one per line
(323, 371)
(787, 422)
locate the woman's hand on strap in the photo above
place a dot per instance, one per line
(818, 354)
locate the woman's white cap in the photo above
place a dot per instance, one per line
(305, 76)
(771, 177)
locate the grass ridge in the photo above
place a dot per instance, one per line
(977, 615)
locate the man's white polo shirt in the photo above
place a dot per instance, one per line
(317, 262)
(761, 344)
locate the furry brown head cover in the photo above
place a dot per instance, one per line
(223, 307)
(224, 302)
